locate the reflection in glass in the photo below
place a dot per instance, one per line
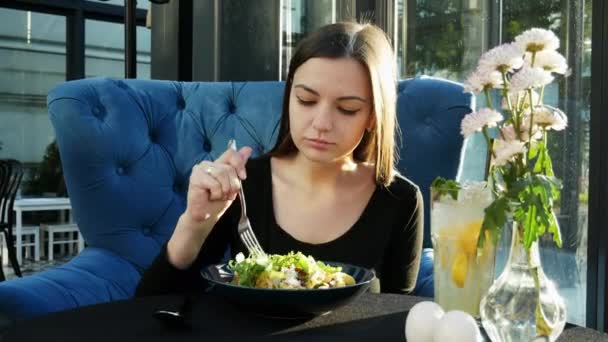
(299, 18)
(441, 38)
(142, 4)
(32, 61)
(104, 50)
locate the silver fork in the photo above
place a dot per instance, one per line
(245, 232)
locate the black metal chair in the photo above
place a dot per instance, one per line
(11, 174)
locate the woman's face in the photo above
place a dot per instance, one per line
(330, 108)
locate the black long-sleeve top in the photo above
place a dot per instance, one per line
(387, 237)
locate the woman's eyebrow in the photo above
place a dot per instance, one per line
(310, 90)
(342, 98)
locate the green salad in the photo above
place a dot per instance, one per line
(291, 271)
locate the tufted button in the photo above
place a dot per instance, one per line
(207, 145)
(181, 104)
(153, 137)
(120, 170)
(231, 107)
(428, 121)
(98, 112)
(147, 230)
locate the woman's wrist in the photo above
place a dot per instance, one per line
(187, 240)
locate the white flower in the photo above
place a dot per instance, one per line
(527, 78)
(475, 121)
(550, 118)
(503, 58)
(521, 100)
(506, 150)
(537, 39)
(549, 60)
(508, 132)
(482, 79)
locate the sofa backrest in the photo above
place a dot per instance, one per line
(127, 146)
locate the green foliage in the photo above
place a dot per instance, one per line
(438, 44)
(48, 178)
(494, 220)
(534, 211)
(246, 272)
(518, 17)
(443, 187)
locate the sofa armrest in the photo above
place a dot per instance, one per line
(92, 277)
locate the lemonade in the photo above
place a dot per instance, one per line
(461, 275)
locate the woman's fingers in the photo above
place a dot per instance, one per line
(202, 178)
(236, 159)
(234, 181)
(227, 177)
(222, 180)
(223, 177)
(245, 153)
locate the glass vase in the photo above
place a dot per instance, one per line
(523, 303)
(462, 273)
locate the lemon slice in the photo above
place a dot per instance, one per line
(469, 236)
(459, 269)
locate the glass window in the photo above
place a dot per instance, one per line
(104, 50)
(299, 18)
(32, 61)
(570, 148)
(445, 38)
(143, 4)
(442, 38)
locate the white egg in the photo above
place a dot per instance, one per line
(421, 322)
(457, 326)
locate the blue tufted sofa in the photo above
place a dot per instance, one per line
(128, 146)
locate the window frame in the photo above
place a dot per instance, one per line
(76, 12)
(597, 265)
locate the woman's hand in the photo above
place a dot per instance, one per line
(213, 186)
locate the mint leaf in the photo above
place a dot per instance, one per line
(444, 187)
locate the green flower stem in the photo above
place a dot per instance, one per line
(488, 100)
(543, 149)
(491, 152)
(533, 60)
(505, 89)
(543, 328)
(531, 122)
(540, 96)
(484, 130)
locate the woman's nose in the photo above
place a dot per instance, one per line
(323, 120)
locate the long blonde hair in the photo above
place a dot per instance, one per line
(369, 45)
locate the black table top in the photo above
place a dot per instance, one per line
(379, 316)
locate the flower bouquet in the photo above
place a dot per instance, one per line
(522, 303)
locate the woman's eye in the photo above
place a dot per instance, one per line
(305, 102)
(348, 111)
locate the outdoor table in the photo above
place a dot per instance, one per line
(379, 317)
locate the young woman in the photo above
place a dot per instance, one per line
(328, 188)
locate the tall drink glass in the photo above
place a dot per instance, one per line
(462, 274)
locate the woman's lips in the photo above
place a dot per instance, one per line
(319, 144)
